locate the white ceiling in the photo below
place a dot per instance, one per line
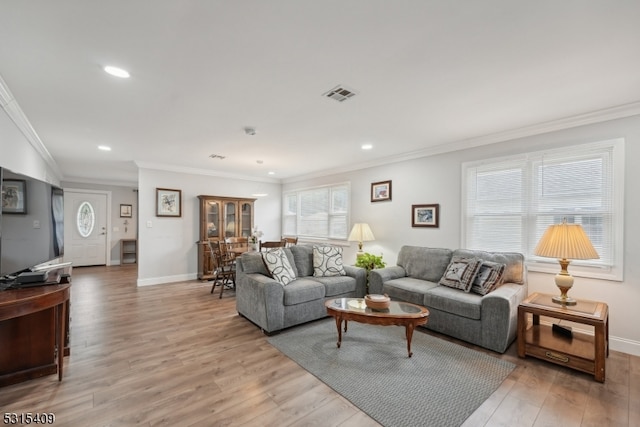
(429, 75)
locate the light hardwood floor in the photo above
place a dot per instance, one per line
(176, 355)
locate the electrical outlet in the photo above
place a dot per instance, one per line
(149, 224)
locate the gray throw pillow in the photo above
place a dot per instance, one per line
(488, 278)
(460, 273)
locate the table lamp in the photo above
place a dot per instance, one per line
(565, 242)
(361, 232)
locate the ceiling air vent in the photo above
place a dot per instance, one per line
(340, 93)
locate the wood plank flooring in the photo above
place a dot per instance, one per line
(176, 355)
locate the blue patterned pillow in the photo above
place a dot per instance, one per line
(460, 273)
(488, 278)
(279, 266)
(327, 261)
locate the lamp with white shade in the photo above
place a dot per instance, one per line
(361, 232)
(565, 242)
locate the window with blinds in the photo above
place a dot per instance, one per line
(510, 202)
(317, 213)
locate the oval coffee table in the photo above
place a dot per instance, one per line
(399, 314)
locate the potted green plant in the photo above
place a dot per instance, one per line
(369, 262)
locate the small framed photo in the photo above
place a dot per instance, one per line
(425, 215)
(168, 202)
(126, 211)
(14, 196)
(380, 191)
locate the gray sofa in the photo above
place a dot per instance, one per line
(273, 307)
(489, 321)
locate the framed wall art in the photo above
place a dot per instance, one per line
(168, 202)
(126, 211)
(425, 215)
(380, 191)
(14, 196)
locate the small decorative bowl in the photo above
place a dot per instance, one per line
(377, 302)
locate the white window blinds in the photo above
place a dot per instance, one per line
(509, 203)
(317, 213)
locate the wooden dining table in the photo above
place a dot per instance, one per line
(239, 250)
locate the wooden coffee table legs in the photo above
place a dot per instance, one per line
(408, 328)
(339, 326)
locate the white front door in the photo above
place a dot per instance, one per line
(85, 227)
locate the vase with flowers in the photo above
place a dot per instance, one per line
(254, 238)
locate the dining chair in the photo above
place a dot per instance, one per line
(224, 267)
(270, 245)
(237, 245)
(290, 241)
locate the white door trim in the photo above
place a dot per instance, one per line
(108, 194)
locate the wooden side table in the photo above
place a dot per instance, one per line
(128, 251)
(583, 352)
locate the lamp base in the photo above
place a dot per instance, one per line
(564, 282)
(564, 300)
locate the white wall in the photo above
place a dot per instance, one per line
(17, 154)
(167, 246)
(437, 179)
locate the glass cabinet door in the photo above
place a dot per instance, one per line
(247, 213)
(213, 220)
(229, 219)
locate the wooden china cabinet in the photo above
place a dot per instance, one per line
(221, 217)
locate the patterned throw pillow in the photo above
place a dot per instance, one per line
(327, 261)
(460, 273)
(279, 266)
(488, 278)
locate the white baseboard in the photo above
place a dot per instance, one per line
(624, 345)
(166, 279)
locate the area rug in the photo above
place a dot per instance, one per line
(440, 385)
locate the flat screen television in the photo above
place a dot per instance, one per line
(32, 223)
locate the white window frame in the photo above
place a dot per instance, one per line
(613, 268)
(288, 217)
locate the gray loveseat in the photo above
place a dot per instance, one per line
(273, 306)
(489, 320)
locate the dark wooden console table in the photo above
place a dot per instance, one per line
(33, 332)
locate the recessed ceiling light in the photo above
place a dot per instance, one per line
(104, 148)
(118, 72)
(272, 173)
(367, 146)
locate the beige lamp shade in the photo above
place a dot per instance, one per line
(361, 232)
(565, 242)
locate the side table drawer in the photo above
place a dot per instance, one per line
(560, 358)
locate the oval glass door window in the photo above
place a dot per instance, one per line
(86, 219)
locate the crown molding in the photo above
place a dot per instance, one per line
(207, 172)
(96, 181)
(605, 115)
(15, 113)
